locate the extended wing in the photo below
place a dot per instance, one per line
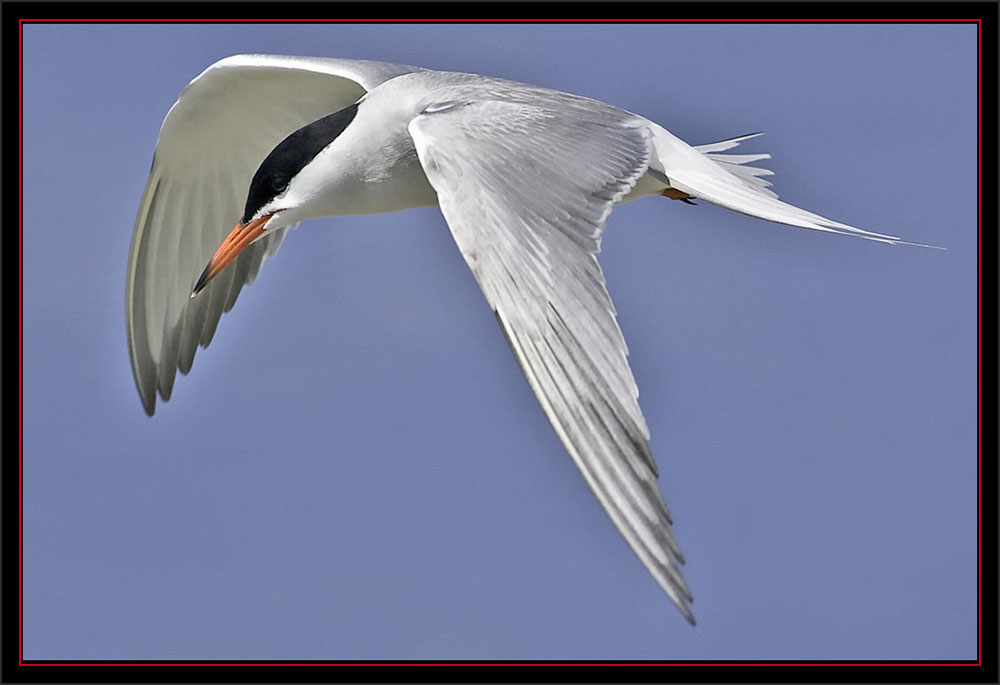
(525, 191)
(211, 142)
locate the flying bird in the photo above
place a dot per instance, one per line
(525, 177)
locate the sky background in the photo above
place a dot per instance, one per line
(357, 469)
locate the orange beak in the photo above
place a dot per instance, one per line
(238, 240)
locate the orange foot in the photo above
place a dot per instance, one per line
(675, 194)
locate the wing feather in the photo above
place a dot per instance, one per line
(211, 142)
(525, 190)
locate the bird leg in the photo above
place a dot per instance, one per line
(675, 194)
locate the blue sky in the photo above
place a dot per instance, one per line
(356, 468)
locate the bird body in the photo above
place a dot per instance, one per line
(525, 177)
(387, 175)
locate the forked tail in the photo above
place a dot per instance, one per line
(708, 172)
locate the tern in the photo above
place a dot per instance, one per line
(525, 177)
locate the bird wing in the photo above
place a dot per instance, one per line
(525, 190)
(211, 142)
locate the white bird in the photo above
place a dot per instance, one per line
(525, 177)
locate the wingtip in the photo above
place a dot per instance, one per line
(148, 403)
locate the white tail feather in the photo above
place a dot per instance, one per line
(722, 179)
(735, 163)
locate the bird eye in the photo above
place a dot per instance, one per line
(278, 183)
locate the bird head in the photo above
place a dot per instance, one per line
(278, 191)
